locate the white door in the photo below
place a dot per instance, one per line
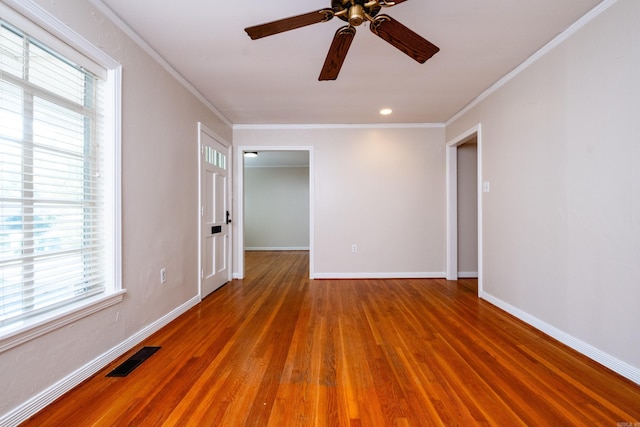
(214, 214)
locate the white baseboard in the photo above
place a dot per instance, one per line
(616, 365)
(46, 397)
(402, 275)
(276, 248)
(467, 274)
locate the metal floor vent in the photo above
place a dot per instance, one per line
(133, 362)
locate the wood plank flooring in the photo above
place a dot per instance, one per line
(277, 349)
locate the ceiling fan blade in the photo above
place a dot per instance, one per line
(403, 38)
(286, 24)
(337, 53)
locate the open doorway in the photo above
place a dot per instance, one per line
(274, 202)
(467, 189)
(469, 146)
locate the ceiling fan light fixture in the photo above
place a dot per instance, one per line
(356, 15)
(251, 154)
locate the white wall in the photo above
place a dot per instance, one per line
(381, 189)
(561, 224)
(276, 208)
(160, 186)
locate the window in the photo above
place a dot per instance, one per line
(58, 183)
(214, 157)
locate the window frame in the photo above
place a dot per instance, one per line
(38, 23)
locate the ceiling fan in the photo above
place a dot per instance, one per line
(354, 12)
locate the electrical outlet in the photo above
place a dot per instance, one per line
(354, 248)
(163, 275)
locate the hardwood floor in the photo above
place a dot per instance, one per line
(277, 349)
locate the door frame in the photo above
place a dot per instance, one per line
(239, 200)
(204, 129)
(452, 202)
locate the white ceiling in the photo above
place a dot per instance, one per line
(274, 80)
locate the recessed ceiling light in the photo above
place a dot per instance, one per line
(386, 111)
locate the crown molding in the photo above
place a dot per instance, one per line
(339, 126)
(559, 39)
(158, 58)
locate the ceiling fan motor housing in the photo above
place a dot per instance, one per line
(356, 15)
(355, 12)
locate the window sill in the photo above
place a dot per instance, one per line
(14, 335)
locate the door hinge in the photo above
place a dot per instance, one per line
(201, 210)
(201, 148)
(202, 274)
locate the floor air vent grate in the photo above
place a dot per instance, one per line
(133, 362)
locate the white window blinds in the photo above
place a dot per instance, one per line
(52, 225)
